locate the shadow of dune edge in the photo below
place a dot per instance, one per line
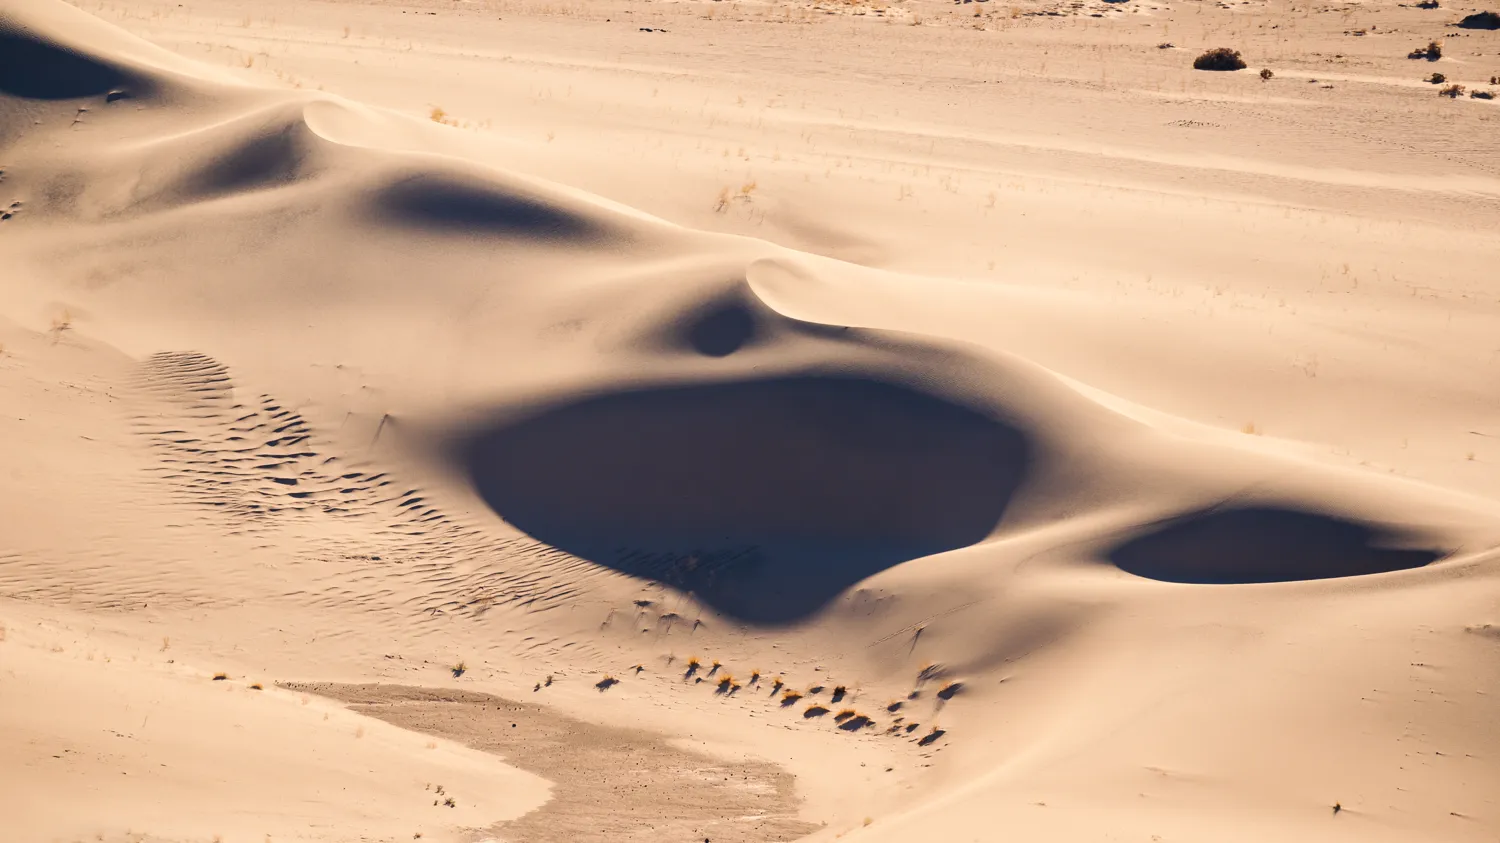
(53, 51)
(31, 68)
(437, 201)
(271, 155)
(1266, 544)
(765, 498)
(262, 149)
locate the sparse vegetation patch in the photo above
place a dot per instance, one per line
(1219, 58)
(1481, 20)
(1432, 52)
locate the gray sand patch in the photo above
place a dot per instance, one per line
(610, 784)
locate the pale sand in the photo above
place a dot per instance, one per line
(861, 346)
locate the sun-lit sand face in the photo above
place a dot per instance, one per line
(748, 421)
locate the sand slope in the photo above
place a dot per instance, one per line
(312, 391)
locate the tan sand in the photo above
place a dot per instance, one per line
(884, 421)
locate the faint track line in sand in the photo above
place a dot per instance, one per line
(917, 626)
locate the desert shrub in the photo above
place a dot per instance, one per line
(1266, 74)
(1481, 20)
(1482, 95)
(1219, 58)
(1437, 79)
(1428, 4)
(1432, 52)
(1452, 91)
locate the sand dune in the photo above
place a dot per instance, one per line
(766, 520)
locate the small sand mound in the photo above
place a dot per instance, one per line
(718, 322)
(1264, 545)
(448, 202)
(269, 157)
(765, 497)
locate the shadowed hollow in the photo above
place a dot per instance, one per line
(765, 498)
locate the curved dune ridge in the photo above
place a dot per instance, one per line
(844, 458)
(409, 417)
(269, 157)
(766, 494)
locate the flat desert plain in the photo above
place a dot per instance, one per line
(578, 421)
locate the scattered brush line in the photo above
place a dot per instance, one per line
(847, 719)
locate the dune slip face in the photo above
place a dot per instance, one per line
(747, 421)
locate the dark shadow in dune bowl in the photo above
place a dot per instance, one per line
(269, 160)
(765, 498)
(33, 69)
(1265, 545)
(441, 202)
(722, 330)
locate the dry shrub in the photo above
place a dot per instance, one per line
(1219, 58)
(1432, 52)
(1481, 20)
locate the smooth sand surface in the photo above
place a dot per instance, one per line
(643, 421)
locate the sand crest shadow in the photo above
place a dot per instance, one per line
(33, 69)
(1265, 545)
(764, 498)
